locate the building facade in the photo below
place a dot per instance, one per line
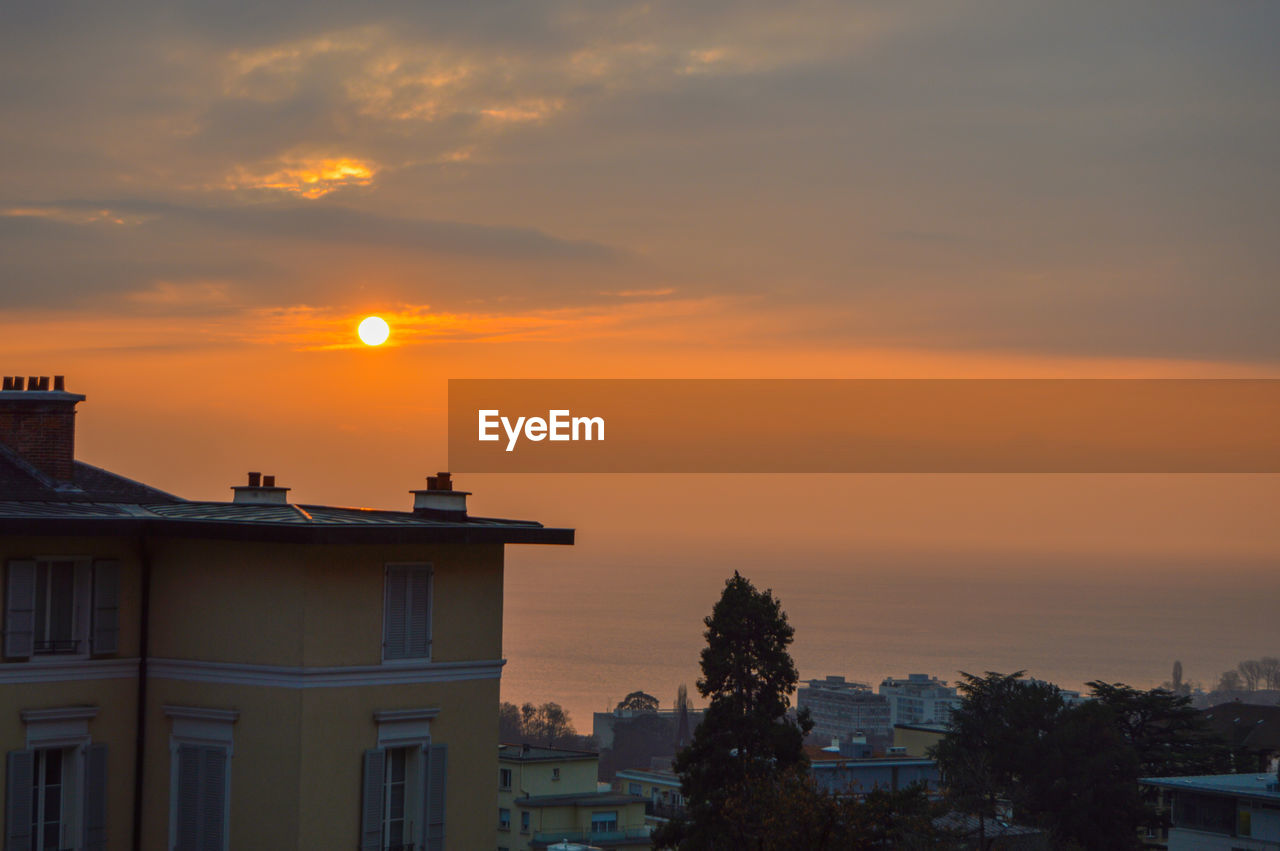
(919, 699)
(548, 796)
(841, 709)
(243, 674)
(1231, 812)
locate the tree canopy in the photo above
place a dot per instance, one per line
(746, 740)
(639, 701)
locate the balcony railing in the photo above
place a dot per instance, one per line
(58, 645)
(660, 809)
(591, 837)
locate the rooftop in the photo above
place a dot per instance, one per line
(529, 753)
(581, 799)
(1261, 787)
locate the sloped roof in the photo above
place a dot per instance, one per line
(19, 481)
(1251, 726)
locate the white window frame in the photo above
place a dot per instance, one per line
(504, 819)
(81, 606)
(505, 786)
(431, 602)
(65, 729)
(408, 730)
(205, 727)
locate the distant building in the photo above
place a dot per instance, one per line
(603, 723)
(1253, 732)
(1222, 812)
(841, 708)
(660, 789)
(857, 776)
(548, 796)
(917, 739)
(919, 699)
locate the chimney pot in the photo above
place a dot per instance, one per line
(268, 481)
(59, 383)
(255, 480)
(33, 382)
(433, 483)
(444, 481)
(8, 382)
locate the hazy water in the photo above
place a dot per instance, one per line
(586, 634)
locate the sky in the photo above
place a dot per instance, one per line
(199, 201)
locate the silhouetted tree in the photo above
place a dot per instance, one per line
(638, 701)
(745, 742)
(683, 733)
(1270, 671)
(1251, 672)
(1230, 681)
(992, 743)
(1169, 736)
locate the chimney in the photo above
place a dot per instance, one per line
(261, 490)
(39, 424)
(440, 500)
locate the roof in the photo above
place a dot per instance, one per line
(534, 754)
(580, 799)
(667, 778)
(1250, 726)
(99, 502)
(20, 481)
(1261, 787)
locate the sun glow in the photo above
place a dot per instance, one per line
(374, 331)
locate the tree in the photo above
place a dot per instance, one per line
(1175, 683)
(745, 741)
(638, 701)
(510, 724)
(1230, 681)
(1271, 671)
(993, 742)
(1169, 737)
(1251, 671)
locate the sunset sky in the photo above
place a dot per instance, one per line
(199, 201)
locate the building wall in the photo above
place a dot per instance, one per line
(917, 742)
(297, 764)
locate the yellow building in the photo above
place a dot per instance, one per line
(250, 674)
(548, 796)
(916, 739)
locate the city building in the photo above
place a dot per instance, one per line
(1231, 812)
(841, 709)
(660, 789)
(1252, 731)
(919, 699)
(834, 772)
(548, 796)
(245, 674)
(917, 739)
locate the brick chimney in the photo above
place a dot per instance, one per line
(39, 423)
(440, 500)
(261, 490)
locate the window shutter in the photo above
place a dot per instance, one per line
(106, 606)
(419, 612)
(95, 802)
(437, 771)
(213, 799)
(396, 620)
(20, 610)
(375, 767)
(19, 784)
(188, 803)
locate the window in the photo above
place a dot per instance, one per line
(524, 821)
(56, 786)
(65, 606)
(633, 789)
(504, 779)
(555, 774)
(201, 747)
(407, 612)
(605, 822)
(504, 818)
(403, 807)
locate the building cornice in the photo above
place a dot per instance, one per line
(284, 676)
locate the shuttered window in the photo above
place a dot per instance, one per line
(403, 799)
(407, 615)
(61, 606)
(55, 798)
(200, 805)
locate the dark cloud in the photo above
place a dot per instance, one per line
(1098, 179)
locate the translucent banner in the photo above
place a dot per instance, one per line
(864, 426)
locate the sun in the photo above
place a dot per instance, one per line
(374, 330)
